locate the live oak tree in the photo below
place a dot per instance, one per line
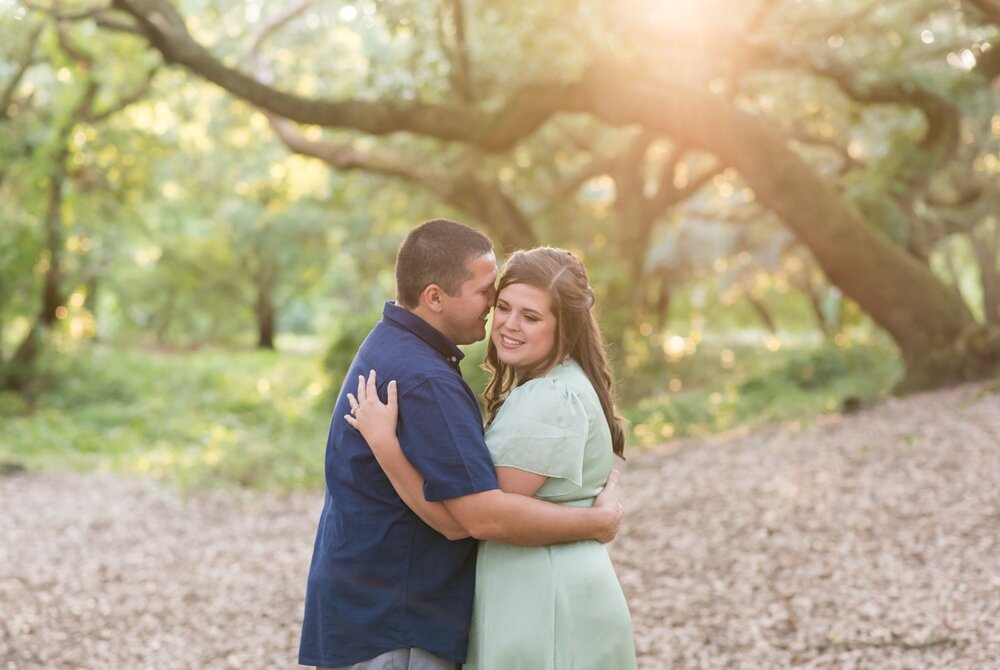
(708, 91)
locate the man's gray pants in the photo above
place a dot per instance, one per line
(402, 659)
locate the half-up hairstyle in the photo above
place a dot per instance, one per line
(563, 277)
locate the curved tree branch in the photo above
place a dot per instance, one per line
(338, 156)
(894, 288)
(463, 190)
(941, 137)
(498, 130)
(849, 251)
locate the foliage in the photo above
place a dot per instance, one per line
(721, 388)
(246, 418)
(258, 419)
(185, 218)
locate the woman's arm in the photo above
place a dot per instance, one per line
(522, 482)
(377, 424)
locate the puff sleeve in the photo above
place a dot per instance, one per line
(542, 427)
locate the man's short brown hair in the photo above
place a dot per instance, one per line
(436, 252)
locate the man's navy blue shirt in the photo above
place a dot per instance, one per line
(381, 578)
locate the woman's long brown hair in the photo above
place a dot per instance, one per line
(562, 275)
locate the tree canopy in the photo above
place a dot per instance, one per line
(850, 146)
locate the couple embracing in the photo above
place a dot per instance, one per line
(398, 579)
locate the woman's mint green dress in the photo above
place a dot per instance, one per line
(557, 607)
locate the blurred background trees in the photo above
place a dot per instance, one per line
(748, 182)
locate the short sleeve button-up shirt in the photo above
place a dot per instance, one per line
(380, 578)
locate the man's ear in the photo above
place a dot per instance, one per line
(433, 298)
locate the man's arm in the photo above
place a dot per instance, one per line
(494, 514)
(377, 424)
(409, 486)
(518, 519)
(497, 515)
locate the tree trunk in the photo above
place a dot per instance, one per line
(659, 309)
(484, 200)
(986, 245)
(922, 316)
(52, 296)
(90, 299)
(20, 371)
(763, 313)
(266, 317)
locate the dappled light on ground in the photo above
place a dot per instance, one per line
(866, 541)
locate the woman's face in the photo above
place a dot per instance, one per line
(524, 327)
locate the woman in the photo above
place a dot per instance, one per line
(552, 433)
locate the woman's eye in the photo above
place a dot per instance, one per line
(501, 307)
(531, 318)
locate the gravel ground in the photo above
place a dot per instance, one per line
(867, 541)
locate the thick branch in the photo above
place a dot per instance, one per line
(80, 15)
(941, 138)
(480, 198)
(850, 252)
(119, 26)
(526, 109)
(341, 156)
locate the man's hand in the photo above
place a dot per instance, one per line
(607, 503)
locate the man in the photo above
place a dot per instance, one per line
(385, 590)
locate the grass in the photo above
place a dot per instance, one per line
(723, 388)
(258, 419)
(249, 418)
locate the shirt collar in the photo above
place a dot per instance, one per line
(425, 331)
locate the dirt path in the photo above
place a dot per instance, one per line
(870, 541)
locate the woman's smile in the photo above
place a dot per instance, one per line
(524, 327)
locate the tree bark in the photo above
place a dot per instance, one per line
(266, 315)
(21, 369)
(52, 295)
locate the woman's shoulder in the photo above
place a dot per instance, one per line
(570, 375)
(559, 380)
(544, 407)
(564, 383)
